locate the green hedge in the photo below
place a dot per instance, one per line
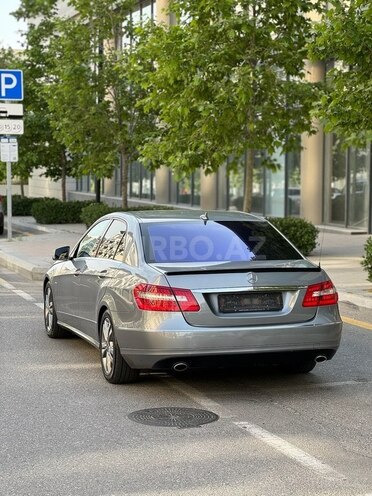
(53, 211)
(367, 258)
(21, 205)
(302, 233)
(94, 211)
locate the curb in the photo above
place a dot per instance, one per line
(26, 269)
(358, 300)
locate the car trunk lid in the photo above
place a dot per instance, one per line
(244, 294)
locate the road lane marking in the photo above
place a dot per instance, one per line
(291, 451)
(357, 323)
(299, 387)
(198, 397)
(23, 295)
(18, 292)
(6, 284)
(286, 448)
(40, 305)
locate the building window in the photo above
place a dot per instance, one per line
(358, 188)
(188, 190)
(275, 188)
(347, 190)
(144, 11)
(293, 175)
(235, 185)
(86, 184)
(141, 182)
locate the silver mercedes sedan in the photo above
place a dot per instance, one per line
(176, 290)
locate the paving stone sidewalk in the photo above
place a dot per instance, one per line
(30, 253)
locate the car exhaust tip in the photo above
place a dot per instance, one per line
(180, 367)
(320, 358)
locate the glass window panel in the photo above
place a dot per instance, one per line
(136, 17)
(196, 188)
(359, 188)
(338, 181)
(258, 184)
(145, 183)
(236, 188)
(214, 241)
(294, 183)
(92, 184)
(236, 185)
(146, 13)
(184, 190)
(111, 240)
(127, 251)
(275, 188)
(89, 243)
(153, 183)
(135, 178)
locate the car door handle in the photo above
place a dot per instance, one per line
(102, 274)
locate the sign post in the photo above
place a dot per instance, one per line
(11, 89)
(9, 198)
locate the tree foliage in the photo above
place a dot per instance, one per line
(226, 80)
(344, 37)
(91, 98)
(39, 146)
(84, 104)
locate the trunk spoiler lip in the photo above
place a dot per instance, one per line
(223, 268)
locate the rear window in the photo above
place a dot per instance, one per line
(215, 241)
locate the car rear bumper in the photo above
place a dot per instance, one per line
(150, 349)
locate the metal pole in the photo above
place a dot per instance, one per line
(9, 198)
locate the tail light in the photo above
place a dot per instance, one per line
(164, 299)
(323, 293)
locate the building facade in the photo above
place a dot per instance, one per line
(324, 183)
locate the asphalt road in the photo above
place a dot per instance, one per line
(65, 430)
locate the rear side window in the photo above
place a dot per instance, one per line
(215, 241)
(88, 245)
(111, 239)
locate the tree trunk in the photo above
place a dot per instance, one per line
(124, 177)
(22, 189)
(63, 175)
(248, 181)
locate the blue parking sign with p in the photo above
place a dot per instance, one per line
(11, 84)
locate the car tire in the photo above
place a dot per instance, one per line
(52, 329)
(299, 367)
(115, 369)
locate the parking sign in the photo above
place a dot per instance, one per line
(11, 84)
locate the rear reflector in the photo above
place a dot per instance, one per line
(320, 294)
(164, 299)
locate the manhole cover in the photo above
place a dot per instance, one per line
(182, 418)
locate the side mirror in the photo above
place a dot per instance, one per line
(61, 253)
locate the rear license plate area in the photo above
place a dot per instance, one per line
(250, 302)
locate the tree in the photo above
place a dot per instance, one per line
(227, 80)
(344, 37)
(39, 146)
(91, 99)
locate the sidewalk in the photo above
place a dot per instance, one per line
(30, 254)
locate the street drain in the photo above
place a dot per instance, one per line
(171, 416)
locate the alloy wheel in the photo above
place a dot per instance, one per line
(107, 346)
(48, 309)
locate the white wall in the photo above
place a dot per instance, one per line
(41, 186)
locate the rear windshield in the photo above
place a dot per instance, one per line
(215, 241)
